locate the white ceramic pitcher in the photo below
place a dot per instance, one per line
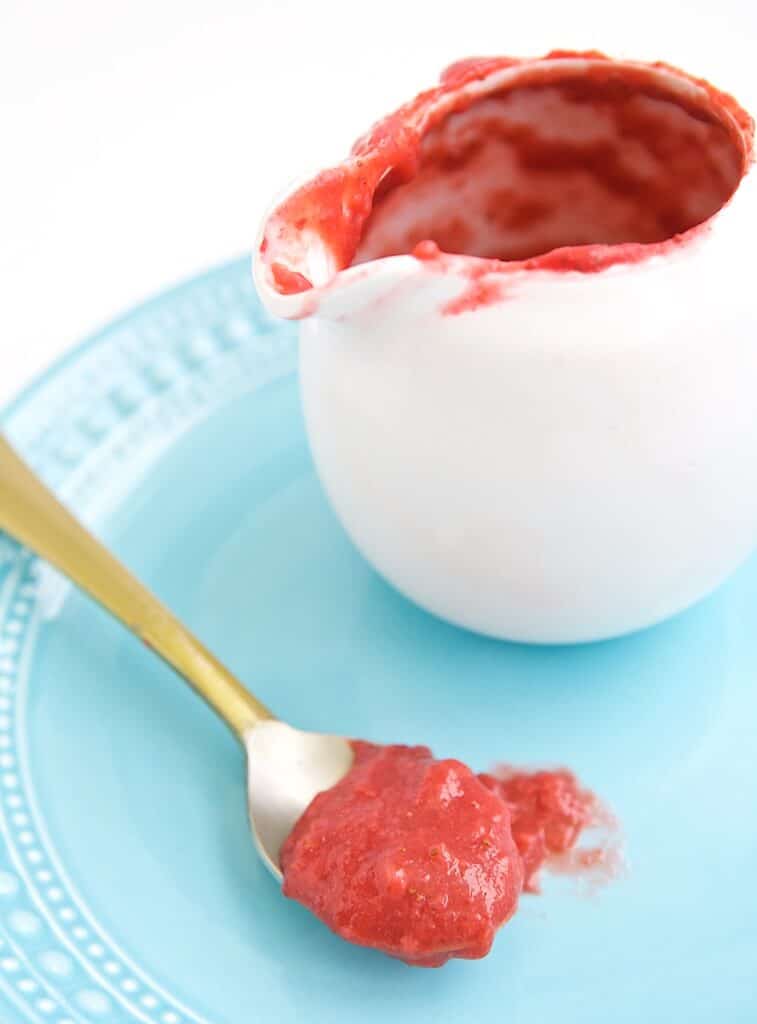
(546, 431)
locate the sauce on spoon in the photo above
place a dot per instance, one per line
(425, 860)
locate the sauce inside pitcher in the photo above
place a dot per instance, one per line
(574, 162)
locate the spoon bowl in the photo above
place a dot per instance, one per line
(286, 768)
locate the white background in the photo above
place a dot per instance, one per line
(140, 140)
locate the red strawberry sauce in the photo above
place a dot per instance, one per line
(573, 162)
(425, 860)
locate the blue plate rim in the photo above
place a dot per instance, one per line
(71, 353)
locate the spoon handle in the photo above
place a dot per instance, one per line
(31, 514)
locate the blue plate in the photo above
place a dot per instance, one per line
(129, 887)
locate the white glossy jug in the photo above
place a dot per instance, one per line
(548, 431)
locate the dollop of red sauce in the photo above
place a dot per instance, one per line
(424, 860)
(525, 164)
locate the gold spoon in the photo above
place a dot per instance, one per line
(286, 767)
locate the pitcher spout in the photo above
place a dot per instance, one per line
(307, 253)
(298, 274)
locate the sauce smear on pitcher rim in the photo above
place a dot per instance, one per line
(569, 163)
